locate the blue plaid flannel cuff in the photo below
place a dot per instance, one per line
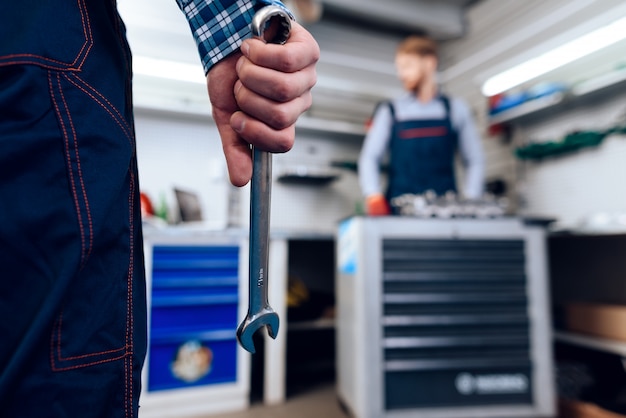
(220, 26)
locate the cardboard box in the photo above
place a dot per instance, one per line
(605, 321)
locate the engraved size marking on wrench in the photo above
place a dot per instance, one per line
(259, 281)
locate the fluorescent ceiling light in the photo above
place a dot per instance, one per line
(171, 70)
(556, 58)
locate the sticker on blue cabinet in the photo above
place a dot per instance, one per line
(192, 362)
(348, 240)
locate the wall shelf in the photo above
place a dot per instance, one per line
(529, 108)
(611, 79)
(605, 84)
(327, 126)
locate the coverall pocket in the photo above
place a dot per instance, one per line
(37, 37)
(96, 322)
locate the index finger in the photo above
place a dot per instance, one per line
(299, 52)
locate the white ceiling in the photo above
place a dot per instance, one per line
(357, 39)
(442, 19)
(505, 33)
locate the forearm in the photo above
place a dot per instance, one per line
(369, 177)
(369, 174)
(373, 151)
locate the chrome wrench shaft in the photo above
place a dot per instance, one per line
(260, 313)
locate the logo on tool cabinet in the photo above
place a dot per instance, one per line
(489, 384)
(192, 362)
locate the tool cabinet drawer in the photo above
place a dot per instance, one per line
(194, 288)
(186, 259)
(199, 310)
(187, 359)
(463, 386)
(185, 279)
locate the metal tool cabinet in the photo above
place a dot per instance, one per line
(443, 318)
(194, 365)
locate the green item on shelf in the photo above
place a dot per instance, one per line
(162, 209)
(571, 143)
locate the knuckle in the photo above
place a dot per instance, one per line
(288, 63)
(282, 92)
(284, 143)
(280, 119)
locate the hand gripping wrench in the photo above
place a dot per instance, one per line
(260, 313)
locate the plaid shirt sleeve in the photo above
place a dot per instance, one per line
(220, 26)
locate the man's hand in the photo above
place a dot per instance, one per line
(257, 95)
(376, 205)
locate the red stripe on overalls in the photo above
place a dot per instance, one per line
(423, 132)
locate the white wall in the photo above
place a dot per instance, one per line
(313, 208)
(577, 187)
(175, 150)
(506, 32)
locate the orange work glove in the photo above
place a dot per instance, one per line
(377, 205)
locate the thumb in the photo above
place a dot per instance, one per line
(237, 151)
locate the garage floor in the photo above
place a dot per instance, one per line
(315, 403)
(321, 401)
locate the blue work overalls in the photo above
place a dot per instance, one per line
(422, 155)
(72, 290)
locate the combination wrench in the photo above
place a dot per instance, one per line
(275, 23)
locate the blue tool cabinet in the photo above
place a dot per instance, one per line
(193, 294)
(193, 316)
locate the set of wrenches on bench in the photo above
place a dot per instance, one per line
(449, 205)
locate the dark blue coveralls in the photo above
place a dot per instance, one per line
(72, 292)
(422, 155)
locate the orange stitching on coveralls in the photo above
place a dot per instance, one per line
(53, 365)
(59, 321)
(59, 326)
(127, 369)
(128, 366)
(131, 269)
(84, 17)
(50, 67)
(122, 125)
(80, 175)
(69, 164)
(88, 40)
(94, 363)
(111, 106)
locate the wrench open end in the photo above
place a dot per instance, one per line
(251, 325)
